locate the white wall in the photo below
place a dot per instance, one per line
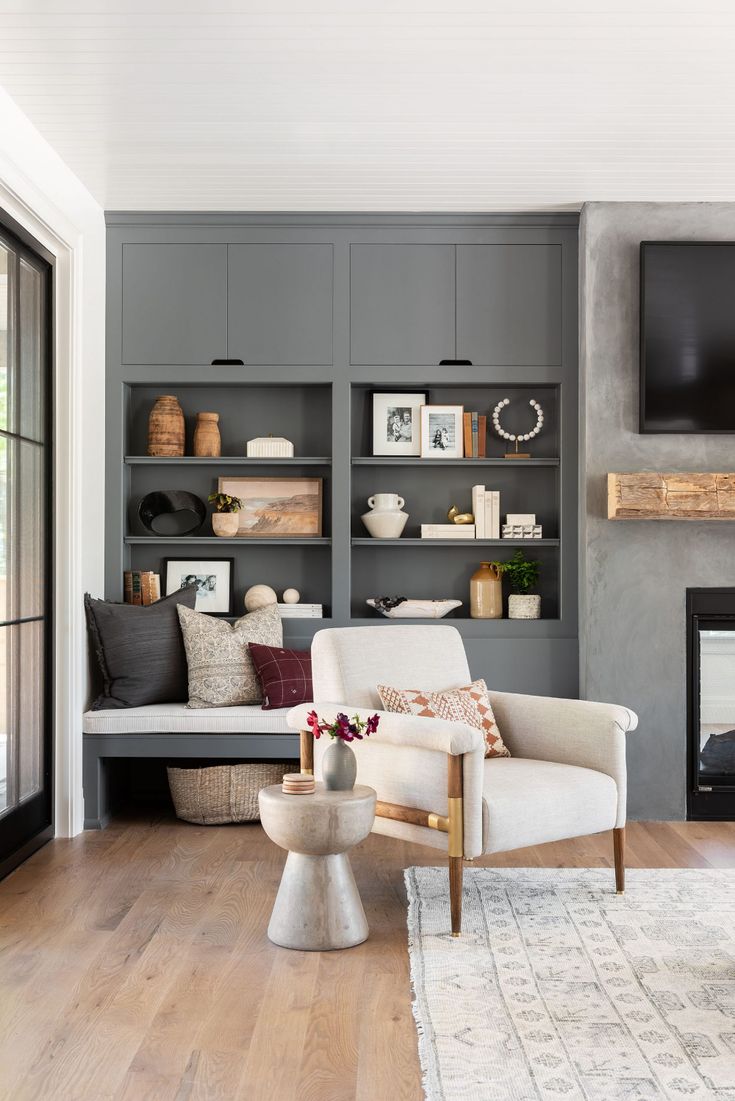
(43, 195)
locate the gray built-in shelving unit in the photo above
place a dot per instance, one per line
(323, 310)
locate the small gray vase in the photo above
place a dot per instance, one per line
(339, 767)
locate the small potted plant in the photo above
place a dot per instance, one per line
(224, 519)
(522, 574)
(339, 765)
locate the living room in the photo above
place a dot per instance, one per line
(368, 728)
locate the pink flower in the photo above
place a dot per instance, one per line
(372, 724)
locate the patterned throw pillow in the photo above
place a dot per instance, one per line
(284, 675)
(467, 705)
(221, 672)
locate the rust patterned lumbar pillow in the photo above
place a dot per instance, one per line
(469, 705)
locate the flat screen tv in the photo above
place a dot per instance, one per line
(687, 363)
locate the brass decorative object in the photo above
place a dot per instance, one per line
(454, 516)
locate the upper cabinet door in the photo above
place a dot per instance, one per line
(401, 304)
(174, 303)
(280, 303)
(509, 305)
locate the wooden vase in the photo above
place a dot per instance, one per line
(166, 432)
(207, 440)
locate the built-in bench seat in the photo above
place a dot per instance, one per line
(173, 730)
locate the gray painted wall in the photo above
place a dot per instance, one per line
(633, 574)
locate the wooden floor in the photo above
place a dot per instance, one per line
(134, 966)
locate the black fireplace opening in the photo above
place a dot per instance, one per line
(711, 704)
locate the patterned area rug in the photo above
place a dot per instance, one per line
(560, 989)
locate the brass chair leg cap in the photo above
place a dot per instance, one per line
(620, 892)
(456, 934)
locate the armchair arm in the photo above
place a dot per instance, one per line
(404, 730)
(569, 732)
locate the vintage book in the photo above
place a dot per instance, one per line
(447, 531)
(492, 514)
(141, 587)
(467, 433)
(301, 611)
(478, 509)
(482, 437)
(475, 437)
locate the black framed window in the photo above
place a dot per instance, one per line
(25, 560)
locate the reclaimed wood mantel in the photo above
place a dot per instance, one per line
(653, 496)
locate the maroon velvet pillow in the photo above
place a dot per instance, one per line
(284, 675)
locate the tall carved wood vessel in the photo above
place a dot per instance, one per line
(207, 440)
(166, 433)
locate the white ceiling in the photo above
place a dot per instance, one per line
(407, 105)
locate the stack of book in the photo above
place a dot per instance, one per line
(486, 507)
(301, 611)
(475, 435)
(448, 531)
(141, 587)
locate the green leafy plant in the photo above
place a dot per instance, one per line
(522, 572)
(224, 503)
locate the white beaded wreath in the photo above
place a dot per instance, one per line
(512, 435)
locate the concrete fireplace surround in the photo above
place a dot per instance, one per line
(633, 574)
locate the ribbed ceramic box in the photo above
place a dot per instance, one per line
(269, 447)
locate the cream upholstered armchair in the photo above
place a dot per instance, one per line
(566, 776)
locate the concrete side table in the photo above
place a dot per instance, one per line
(318, 906)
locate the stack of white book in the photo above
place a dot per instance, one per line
(301, 611)
(448, 531)
(486, 507)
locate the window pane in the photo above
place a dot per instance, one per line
(31, 367)
(30, 508)
(5, 612)
(30, 708)
(4, 717)
(6, 260)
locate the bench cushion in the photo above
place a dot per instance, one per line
(177, 718)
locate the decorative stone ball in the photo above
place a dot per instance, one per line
(291, 596)
(258, 596)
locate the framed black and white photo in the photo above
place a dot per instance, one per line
(213, 577)
(442, 432)
(397, 423)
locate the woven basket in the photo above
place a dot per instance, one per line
(223, 793)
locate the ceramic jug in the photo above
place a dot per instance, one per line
(486, 593)
(385, 519)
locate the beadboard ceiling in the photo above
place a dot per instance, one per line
(406, 105)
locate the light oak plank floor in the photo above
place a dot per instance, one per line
(134, 966)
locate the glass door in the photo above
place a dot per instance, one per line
(25, 577)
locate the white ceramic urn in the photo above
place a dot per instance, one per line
(385, 520)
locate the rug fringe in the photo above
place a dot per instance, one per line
(430, 1082)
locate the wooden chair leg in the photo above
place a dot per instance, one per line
(456, 840)
(456, 867)
(619, 847)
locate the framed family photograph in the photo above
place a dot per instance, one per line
(213, 577)
(442, 432)
(397, 423)
(276, 507)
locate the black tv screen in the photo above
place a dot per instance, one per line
(687, 336)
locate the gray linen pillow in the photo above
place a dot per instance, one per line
(139, 650)
(221, 671)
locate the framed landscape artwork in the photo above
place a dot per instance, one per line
(397, 423)
(276, 507)
(213, 577)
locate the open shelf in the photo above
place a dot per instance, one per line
(370, 542)
(225, 460)
(236, 541)
(388, 460)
